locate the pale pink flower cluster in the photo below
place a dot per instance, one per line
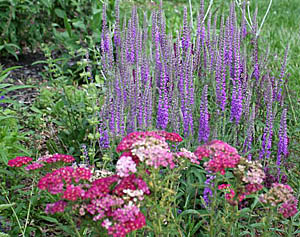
(281, 195)
(252, 170)
(125, 165)
(251, 174)
(184, 153)
(154, 152)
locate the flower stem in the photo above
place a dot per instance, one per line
(73, 225)
(15, 214)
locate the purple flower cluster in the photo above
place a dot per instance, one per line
(151, 78)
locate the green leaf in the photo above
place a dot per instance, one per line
(245, 233)
(257, 225)
(6, 206)
(50, 219)
(3, 156)
(79, 24)
(19, 87)
(40, 62)
(67, 25)
(3, 234)
(60, 13)
(34, 109)
(195, 212)
(6, 172)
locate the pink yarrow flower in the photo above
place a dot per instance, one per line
(19, 161)
(126, 143)
(153, 152)
(173, 137)
(222, 156)
(223, 186)
(34, 166)
(53, 208)
(125, 165)
(184, 153)
(72, 193)
(56, 158)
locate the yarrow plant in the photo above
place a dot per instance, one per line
(113, 201)
(249, 175)
(143, 185)
(281, 196)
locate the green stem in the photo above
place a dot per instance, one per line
(212, 217)
(291, 104)
(73, 225)
(15, 214)
(29, 206)
(268, 223)
(290, 228)
(265, 16)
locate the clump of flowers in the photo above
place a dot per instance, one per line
(281, 195)
(250, 175)
(47, 159)
(154, 152)
(19, 161)
(125, 165)
(56, 158)
(130, 139)
(222, 156)
(112, 200)
(149, 147)
(184, 153)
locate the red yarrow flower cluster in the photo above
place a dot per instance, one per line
(130, 139)
(34, 166)
(113, 200)
(153, 152)
(58, 206)
(54, 182)
(48, 159)
(221, 156)
(19, 161)
(56, 158)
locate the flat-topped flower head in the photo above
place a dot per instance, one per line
(52, 182)
(121, 229)
(221, 156)
(58, 206)
(19, 161)
(101, 187)
(131, 138)
(202, 152)
(220, 146)
(281, 195)
(184, 153)
(82, 173)
(57, 158)
(154, 152)
(125, 165)
(169, 136)
(289, 208)
(34, 166)
(133, 157)
(72, 193)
